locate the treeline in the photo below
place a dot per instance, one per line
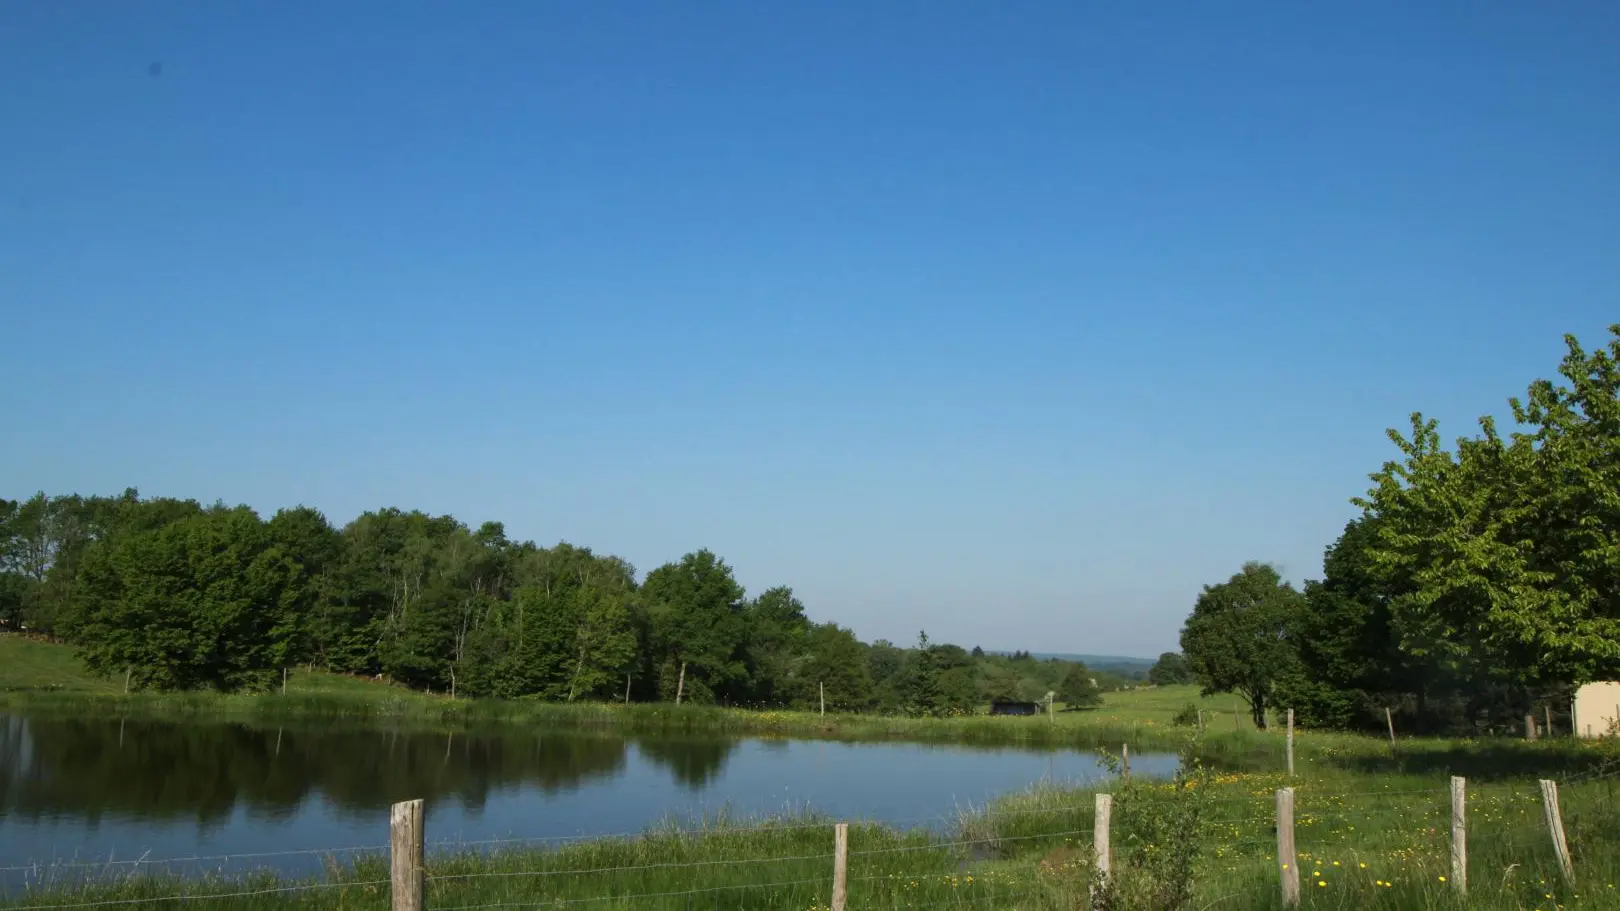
(1479, 584)
(171, 594)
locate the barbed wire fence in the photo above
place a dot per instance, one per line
(1313, 837)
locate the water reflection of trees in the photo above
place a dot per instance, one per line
(90, 768)
(694, 763)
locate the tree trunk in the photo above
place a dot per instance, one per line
(572, 683)
(1257, 707)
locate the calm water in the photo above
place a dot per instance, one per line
(80, 790)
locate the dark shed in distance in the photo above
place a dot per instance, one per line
(1008, 707)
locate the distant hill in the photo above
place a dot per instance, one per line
(1103, 662)
(1117, 663)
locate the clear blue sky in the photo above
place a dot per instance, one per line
(1014, 321)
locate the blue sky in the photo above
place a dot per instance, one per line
(1017, 322)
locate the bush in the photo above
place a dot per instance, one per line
(1187, 716)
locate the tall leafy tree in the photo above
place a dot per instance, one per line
(775, 630)
(1238, 636)
(695, 619)
(190, 605)
(832, 660)
(1078, 689)
(1511, 544)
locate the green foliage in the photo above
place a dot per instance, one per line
(695, 619)
(1238, 638)
(431, 603)
(1170, 670)
(201, 602)
(1478, 583)
(1078, 690)
(1511, 547)
(1163, 833)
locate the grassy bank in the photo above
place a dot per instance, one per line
(1365, 842)
(39, 676)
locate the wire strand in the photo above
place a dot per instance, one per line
(206, 896)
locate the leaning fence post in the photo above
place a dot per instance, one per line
(840, 894)
(1287, 862)
(1459, 834)
(1555, 825)
(1102, 854)
(407, 854)
(1290, 743)
(1389, 719)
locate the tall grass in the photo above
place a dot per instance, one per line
(1069, 729)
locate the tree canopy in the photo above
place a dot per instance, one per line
(178, 595)
(1477, 583)
(1238, 637)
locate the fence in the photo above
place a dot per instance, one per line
(838, 865)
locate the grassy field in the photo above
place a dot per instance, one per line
(28, 665)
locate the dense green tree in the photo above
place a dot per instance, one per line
(832, 660)
(1512, 545)
(1169, 670)
(695, 619)
(1078, 689)
(304, 535)
(1238, 638)
(14, 585)
(886, 665)
(195, 603)
(776, 632)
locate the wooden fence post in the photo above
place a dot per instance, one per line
(1389, 719)
(1290, 743)
(1101, 852)
(1555, 825)
(407, 849)
(283, 681)
(1459, 834)
(626, 689)
(1547, 708)
(1287, 859)
(1200, 721)
(840, 893)
(1530, 727)
(823, 688)
(680, 685)
(1125, 760)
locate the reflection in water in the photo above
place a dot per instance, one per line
(167, 770)
(695, 762)
(87, 789)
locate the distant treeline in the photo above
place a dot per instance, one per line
(1478, 585)
(173, 595)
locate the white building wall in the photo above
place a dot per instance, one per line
(1597, 709)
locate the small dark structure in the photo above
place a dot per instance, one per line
(1008, 707)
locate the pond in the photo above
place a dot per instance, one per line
(96, 790)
